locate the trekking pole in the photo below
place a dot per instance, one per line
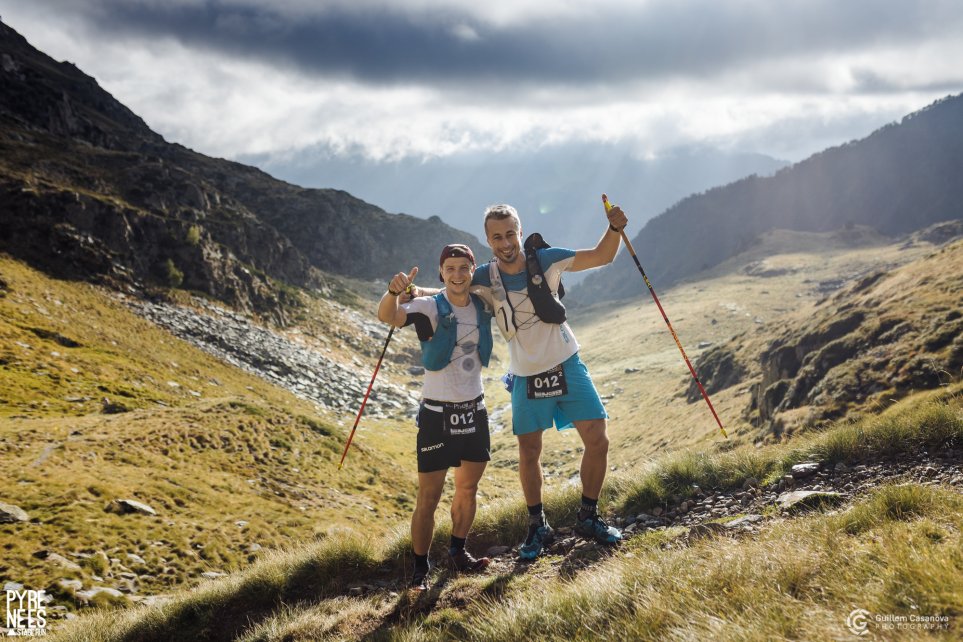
(370, 385)
(628, 245)
(365, 400)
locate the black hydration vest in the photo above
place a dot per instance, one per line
(548, 308)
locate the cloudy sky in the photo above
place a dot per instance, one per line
(394, 79)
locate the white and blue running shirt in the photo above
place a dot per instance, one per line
(537, 346)
(461, 379)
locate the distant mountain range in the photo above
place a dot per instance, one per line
(88, 191)
(903, 177)
(556, 188)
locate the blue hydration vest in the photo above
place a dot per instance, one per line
(436, 351)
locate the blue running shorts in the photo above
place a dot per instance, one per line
(580, 402)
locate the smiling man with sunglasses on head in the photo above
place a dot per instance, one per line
(549, 382)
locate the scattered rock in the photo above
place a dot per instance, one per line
(802, 499)
(304, 371)
(69, 585)
(62, 562)
(704, 530)
(802, 471)
(10, 514)
(124, 506)
(212, 575)
(86, 597)
(136, 559)
(649, 521)
(787, 481)
(108, 407)
(744, 521)
(495, 551)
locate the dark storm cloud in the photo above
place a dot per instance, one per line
(651, 41)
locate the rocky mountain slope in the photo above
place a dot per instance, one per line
(888, 333)
(901, 178)
(88, 191)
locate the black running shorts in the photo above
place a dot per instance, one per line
(451, 433)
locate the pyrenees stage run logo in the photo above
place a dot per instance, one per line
(26, 613)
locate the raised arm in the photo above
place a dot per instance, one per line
(388, 310)
(607, 247)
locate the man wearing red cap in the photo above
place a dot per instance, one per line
(454, 328)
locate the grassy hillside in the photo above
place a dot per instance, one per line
(97, 405)
(229, 462)
(893, 549)
(238, 469)
(776, 289)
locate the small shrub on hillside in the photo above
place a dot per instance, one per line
(193, 235)
(96, 564)
(316, 426)
(250, 409)
(171, 275)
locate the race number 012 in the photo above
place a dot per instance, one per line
(548, 381)
(465, 419)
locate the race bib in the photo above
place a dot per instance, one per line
(550, 383)
(460, 418)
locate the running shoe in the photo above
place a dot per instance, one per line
(596, 529)
(419, 579)
(539, 537)
(465, 562)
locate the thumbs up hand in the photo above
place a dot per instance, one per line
(402, 283)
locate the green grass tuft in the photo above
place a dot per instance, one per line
(892, 503)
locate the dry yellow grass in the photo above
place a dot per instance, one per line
(220, 447)
(896, 551)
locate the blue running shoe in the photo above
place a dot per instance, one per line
(538, 538)
(598, 530)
